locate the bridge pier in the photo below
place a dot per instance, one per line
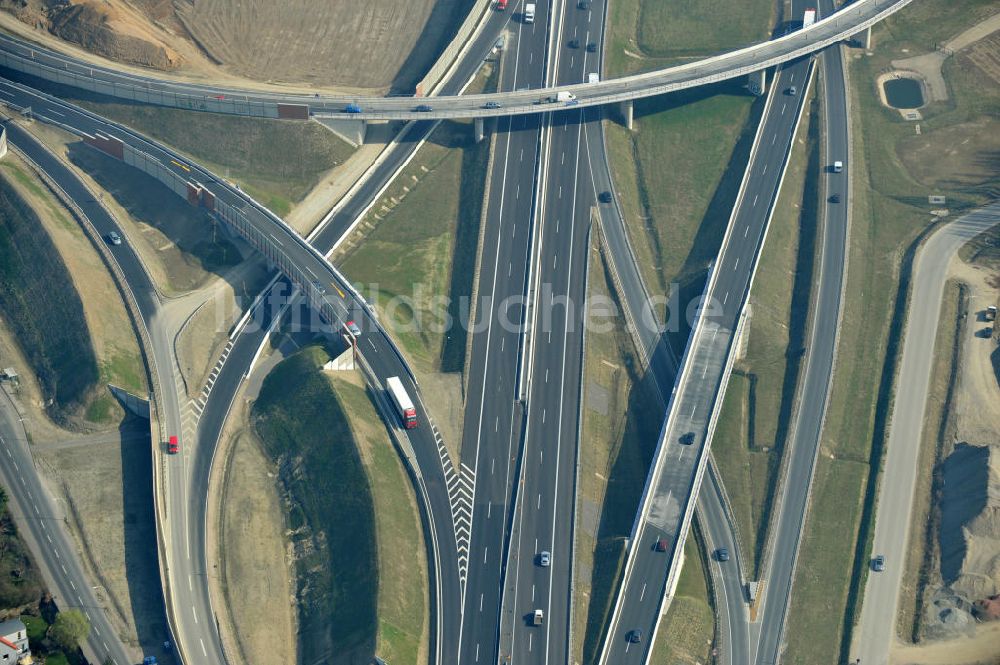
(478, 130)
(757, 82)
(352, 131)
(626, 110)
(863, 39)
(3, 142)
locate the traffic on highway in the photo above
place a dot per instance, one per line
(501, 518)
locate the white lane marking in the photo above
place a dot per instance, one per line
(480, 602)
(194, 612)
(643, 592)
(737, 264)
(755, 197)
(783, 108)
(746, 231)
(485, 552)
(774, 138)
(203, 650)
(538, 504)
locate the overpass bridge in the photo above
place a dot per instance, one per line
(27, 58)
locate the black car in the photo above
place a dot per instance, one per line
(423, 108)
(592, 47)
(791, 91)
(722, 554)
(634, 636)
(687, 438)
(604, 197)
(583, 4)
(834, 198)
(878, 563)
(573, 43)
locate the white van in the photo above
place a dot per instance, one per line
(838, 167)
(529, 13)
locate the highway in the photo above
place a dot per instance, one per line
(493, 426)
(847, 22)
(185, 475)
(104, 641)
(876, 631)
(792, 500)
(675, 476)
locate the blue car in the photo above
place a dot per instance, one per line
(352, 108)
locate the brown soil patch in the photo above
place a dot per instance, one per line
(986, 56)
(258, 582)
(954, 157)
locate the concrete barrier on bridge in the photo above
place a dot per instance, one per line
(134, 404)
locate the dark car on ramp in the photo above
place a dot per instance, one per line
(634, 636)
(687, 438)
(604, 197)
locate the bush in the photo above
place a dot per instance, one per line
(70, 629)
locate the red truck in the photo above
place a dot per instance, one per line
(404, 405)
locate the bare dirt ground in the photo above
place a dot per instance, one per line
(100, 477)
(978, 650)
(156, 221)
(373, 45)
(258, 582)
(109, 325)
(929, 65)
(255, 593)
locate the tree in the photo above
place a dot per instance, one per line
(70, 629)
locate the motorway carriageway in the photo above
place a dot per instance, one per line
(192, 616)
(35, 511)
(702, 380)
(146, 89)
(493, 413)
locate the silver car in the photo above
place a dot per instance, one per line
(544, 559)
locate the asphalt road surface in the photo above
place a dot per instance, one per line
(701, 381)
(186, 474)
(148, 306)
(806, 428)
(876, 632)
(845, 23)
(493, 414)
(41, 526)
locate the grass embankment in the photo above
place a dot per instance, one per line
(939, 428)
(275, 161)
(360, 557)
(54, 325)
(754, 424)
(403, 626)
(415, 255)
(621, 423)
(419, 248)
(677, 176)
(686, 631)
(20, 581)
(646, 34)
(303, 429)
(889, 211)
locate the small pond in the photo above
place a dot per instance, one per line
(903, 93)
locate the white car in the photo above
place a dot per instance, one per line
(114, 238)
(544, 559)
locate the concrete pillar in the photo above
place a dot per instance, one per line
(478, 130)
(3, 142)
(757, 82)
(626, 111)
(863, 39)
